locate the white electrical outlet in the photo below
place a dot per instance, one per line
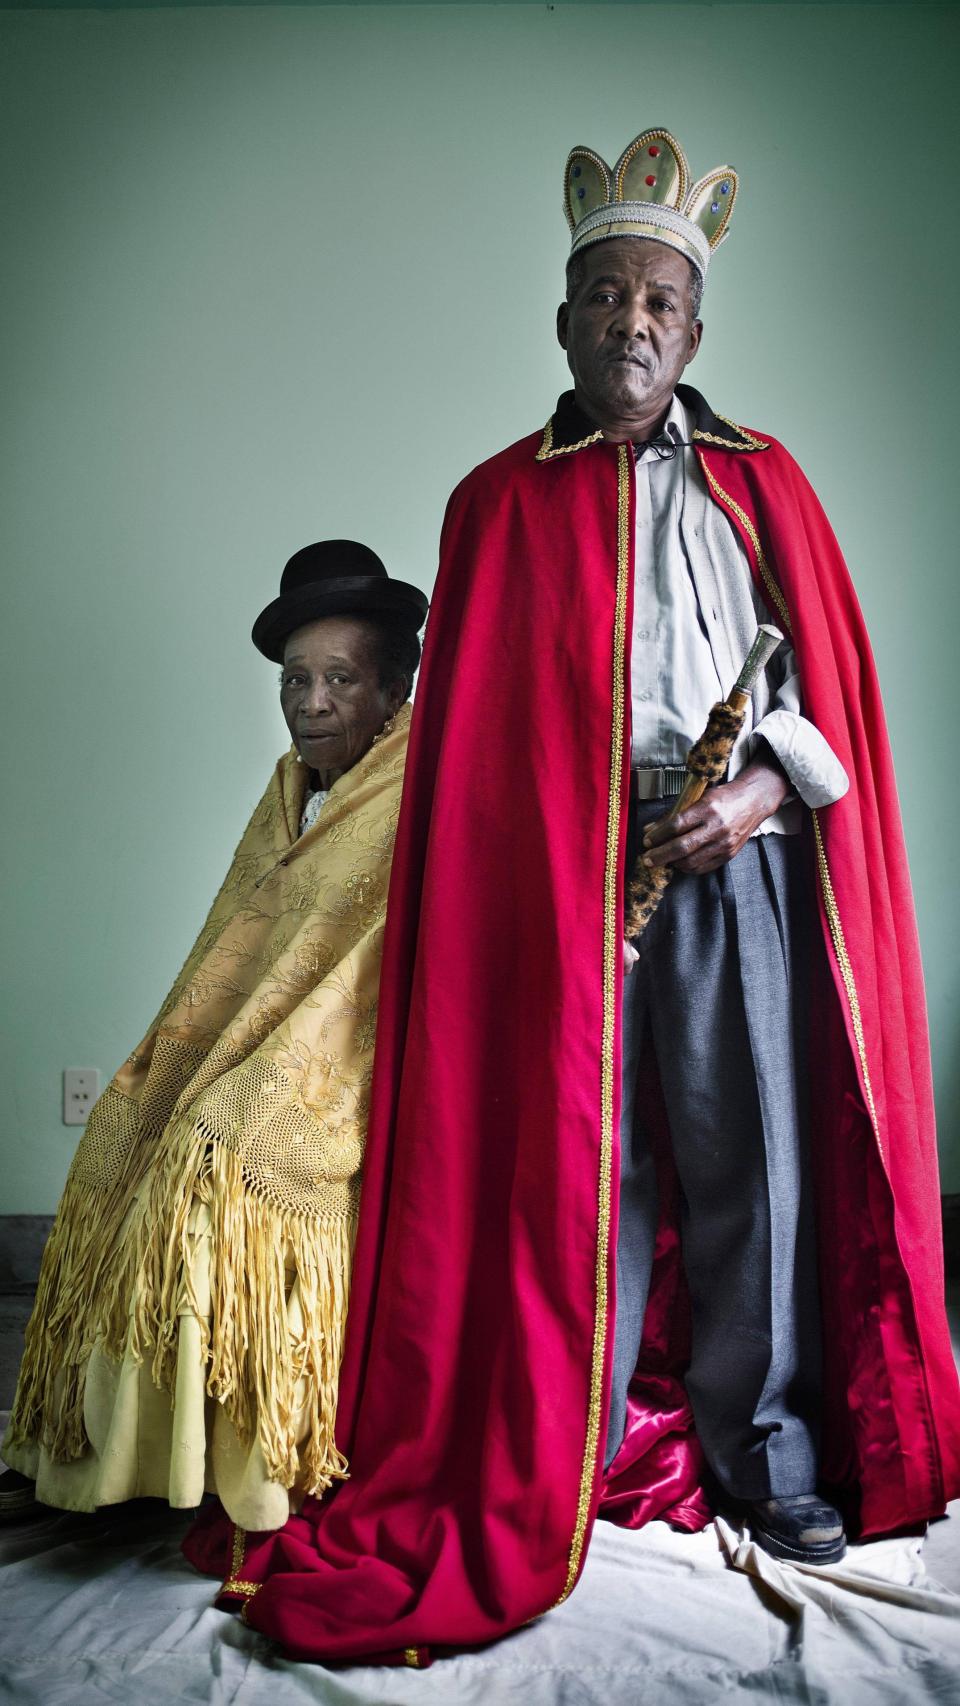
(81, 1087)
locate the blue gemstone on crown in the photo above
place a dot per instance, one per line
(576, 171)
(724, 189)
(581, 194)
(714, 207)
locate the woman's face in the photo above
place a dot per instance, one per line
(331, 695)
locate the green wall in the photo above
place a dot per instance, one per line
(271, 274)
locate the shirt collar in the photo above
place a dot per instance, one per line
(681, 424)
(569, 429)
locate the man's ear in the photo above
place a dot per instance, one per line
(563, 322)
(696, 333)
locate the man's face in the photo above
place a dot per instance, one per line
(629, 333)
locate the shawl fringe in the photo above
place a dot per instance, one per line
(122, 1287)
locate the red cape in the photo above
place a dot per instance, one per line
(474, 1389)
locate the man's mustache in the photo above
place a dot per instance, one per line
(630, 356)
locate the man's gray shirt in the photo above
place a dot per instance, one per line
(696, 610)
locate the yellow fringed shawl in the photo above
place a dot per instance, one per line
(249, 1094)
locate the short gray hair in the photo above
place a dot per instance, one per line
(575, 279)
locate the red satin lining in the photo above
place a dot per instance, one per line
(658, 1471)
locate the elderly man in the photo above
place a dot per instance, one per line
(595, 1205)
(719, 985)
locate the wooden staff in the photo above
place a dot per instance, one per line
(707, 762)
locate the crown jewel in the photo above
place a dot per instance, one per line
(648, 194)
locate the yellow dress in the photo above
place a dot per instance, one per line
(190, 1314)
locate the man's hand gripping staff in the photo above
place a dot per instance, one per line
(707, 762)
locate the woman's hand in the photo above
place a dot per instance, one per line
(707, 835)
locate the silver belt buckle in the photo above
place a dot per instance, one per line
(661, 784)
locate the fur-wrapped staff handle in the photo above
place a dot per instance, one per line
(707, 762)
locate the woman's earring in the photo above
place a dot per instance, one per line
(386, 730)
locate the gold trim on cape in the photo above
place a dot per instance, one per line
(846, 970)
(823, 869)
(547, 451)
(611, 951)
(750, 440)
(766, 573)
(234, 1584)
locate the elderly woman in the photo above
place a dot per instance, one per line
(189, 1320)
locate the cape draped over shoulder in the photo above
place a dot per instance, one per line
(474, 1388)
(246, 1105)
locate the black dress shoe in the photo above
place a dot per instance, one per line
(803, 1529)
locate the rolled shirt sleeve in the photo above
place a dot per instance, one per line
(813, 768)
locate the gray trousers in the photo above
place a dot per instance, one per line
(718, 990)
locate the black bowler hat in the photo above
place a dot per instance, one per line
(336, 577)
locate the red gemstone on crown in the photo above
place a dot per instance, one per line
(651, 181)
(653, 152)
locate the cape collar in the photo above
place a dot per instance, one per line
(569, 429)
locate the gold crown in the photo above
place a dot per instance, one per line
(648, 194)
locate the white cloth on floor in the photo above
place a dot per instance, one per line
(104, 1608)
